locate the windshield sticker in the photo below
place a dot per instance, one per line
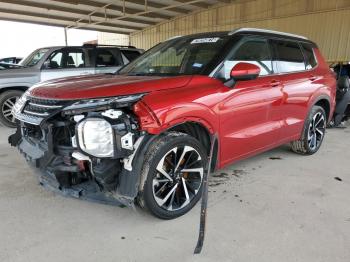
(197, 65)
(205, 40)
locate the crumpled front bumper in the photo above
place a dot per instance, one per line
(39, 158)
(86, 191)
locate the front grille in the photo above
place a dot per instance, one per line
(36, 109)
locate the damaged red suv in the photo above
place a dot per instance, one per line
(144, 134)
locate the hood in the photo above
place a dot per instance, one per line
(98, 86)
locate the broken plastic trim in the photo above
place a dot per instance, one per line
(204, 204)
(101, 104)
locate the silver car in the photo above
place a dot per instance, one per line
(57, 62)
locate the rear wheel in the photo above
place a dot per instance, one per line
(313, 132)
(7, 102)
(174, 168)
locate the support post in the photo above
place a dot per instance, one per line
(65, 36)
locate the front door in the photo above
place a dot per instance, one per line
(67, 62)
(246, 123)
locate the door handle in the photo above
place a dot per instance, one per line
(312, 78)
(275, 83)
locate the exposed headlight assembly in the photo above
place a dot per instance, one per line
(95, 137)
(17, 108)
(101, 104)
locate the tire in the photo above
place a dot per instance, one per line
(165, 193)
(7, 101)
(313, 132)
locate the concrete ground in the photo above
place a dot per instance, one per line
(277, 206)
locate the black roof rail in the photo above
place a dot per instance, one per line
(119, 46)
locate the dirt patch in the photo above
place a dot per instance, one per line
(221, 175)
(238, 173)
(276, 158)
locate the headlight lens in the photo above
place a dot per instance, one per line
(95, 137)
(19, 104)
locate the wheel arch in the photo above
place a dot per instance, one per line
(324, 101)
(16, 88)
(202, 134)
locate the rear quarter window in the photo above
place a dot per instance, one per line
(310, 59)
(131, 54)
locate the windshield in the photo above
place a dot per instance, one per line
(180, 56)
(34, 57)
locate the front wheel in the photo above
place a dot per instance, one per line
(313, 132)
(174, 168)
(7, 102)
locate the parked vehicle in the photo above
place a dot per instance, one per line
(56, 62)
(11, 60)
(144, 134)
(9, 66)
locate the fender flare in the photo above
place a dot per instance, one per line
(316, 99)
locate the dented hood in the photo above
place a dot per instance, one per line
(96, 86)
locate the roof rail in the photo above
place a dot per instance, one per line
(97, 45)
(239, 30)
(174, 37)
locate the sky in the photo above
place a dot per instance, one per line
(20, 39)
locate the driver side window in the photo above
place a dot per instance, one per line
(250, 50)
(55, 61)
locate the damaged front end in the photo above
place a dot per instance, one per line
(89, 149)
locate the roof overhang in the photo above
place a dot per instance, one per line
(118, 16)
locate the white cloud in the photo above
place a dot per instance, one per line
(20, 39)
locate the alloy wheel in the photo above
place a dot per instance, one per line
(7, 108)
(316, 131)
(178, 178)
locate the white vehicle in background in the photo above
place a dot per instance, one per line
(58, 62)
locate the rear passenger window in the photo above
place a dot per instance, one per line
(105, 58)
(251, 50)
(310, 59)
(75, 59)
(288, 56)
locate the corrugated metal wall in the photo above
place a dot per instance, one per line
(327, 22)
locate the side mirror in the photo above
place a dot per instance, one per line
(244, 71)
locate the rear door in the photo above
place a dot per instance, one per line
(246, 123)
(107, 60)
(299, 82)
(67, 62)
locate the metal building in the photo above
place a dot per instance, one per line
(144, 23)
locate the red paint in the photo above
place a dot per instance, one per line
(244, 69)
(254, 116)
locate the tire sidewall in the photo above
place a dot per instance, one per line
(3, 97)
(169, 142)
(313, 112)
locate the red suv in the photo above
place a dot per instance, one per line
(145, 133)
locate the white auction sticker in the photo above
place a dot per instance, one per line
(205, 40)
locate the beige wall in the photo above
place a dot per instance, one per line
(113, 39)
(327, 22)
